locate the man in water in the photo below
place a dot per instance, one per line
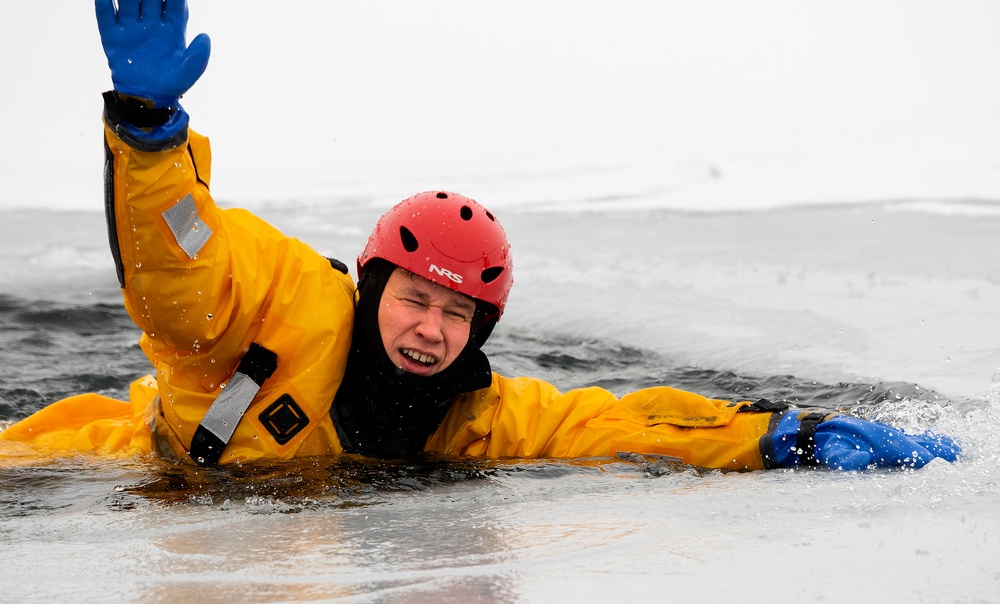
(265, 349)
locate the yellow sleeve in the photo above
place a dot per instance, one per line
(529, 418)
(203, 283)
(85, 423)
(172, 246)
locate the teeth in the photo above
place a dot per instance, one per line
(420, 358)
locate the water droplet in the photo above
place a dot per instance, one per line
(209, 317)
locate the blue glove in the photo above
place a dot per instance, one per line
(841, 442)
(144, 43)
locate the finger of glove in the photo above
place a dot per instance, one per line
(916, 456)
(841, 455)
(888, 447)
(106, 20)
(940, 446)
(175, 11)
(129, 10)
(896, 450)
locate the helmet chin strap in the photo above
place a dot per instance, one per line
(382, 411)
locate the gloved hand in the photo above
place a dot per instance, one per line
(144, 43)
(842, 442)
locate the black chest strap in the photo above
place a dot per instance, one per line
(226, 411)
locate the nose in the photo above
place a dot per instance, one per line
(429, 326)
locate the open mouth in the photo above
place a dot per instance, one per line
(424, 360)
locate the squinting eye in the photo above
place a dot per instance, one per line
(460, 316)
(412, 302)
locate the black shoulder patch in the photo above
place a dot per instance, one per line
(337, 264)
(284, 419)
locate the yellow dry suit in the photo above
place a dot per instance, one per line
(249, 332)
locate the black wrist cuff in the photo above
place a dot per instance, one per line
(124, 109)
(805, 440)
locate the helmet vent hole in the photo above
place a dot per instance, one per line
(491, 273)
(465, 213)
(442, 195)
(490, 216)
(409, 241)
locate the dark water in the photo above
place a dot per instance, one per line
(49, 350)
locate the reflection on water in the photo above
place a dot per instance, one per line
(301, 483)
(267, 486)
(301, 530)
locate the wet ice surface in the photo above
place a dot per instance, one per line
(503, 532)
(880, 310)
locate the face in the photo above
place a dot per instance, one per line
(424, 326)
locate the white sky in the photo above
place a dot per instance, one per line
(315, 97)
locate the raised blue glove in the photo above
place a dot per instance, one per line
(842, 442)
(145, 46)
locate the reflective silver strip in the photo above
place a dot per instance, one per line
(225, 413)
(190, 232)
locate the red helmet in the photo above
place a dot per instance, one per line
(448, 239)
